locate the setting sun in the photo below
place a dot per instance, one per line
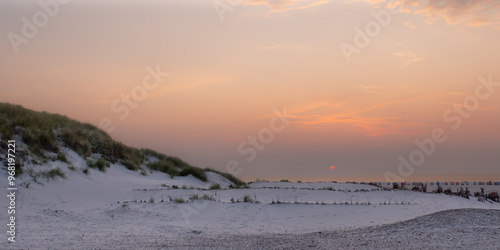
(164, 124)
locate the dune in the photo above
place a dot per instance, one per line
(73, 200)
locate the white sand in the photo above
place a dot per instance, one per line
(81, 212)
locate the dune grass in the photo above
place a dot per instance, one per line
(45, 134)
(100, 164)
(239, 183)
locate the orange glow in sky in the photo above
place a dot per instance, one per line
(227, 77)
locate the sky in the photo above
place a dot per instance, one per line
(270, 89)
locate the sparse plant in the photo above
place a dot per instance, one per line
(130, 165)
(215, 186)
(100, 164)
(207, 197)
(247, 198)
(19, 169)
(25, 184)
(179, 200)
(72, 167)
(173, 172)
(62, 157)
(53, 173)
(164, 166)
(196, 172)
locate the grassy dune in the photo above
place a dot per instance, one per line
(45, 135)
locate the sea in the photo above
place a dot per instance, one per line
(381, 178)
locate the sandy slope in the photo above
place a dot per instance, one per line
(451, 229)
(461, 229)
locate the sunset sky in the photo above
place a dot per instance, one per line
(230, 66)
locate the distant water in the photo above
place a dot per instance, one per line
(380, 178)
(471, 177)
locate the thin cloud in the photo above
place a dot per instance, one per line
(343, 113)
(274, 46)
(480, 21)
(371, 89)
(482, 107)
(474, 13)
(408, 58)
(281, 46)
(410, 25)
(287, 5)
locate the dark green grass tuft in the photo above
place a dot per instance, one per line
(53, 173)
(196, 172)
(99, 164)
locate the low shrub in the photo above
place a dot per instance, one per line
(72, 167)
(130, 165)
(62, 157)
(19, 169)
(100, 164)
(53, 173)
(207, 197)
(247, 198)
(164, 166)
(179, 200)
(196, 172)
(76, 141)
